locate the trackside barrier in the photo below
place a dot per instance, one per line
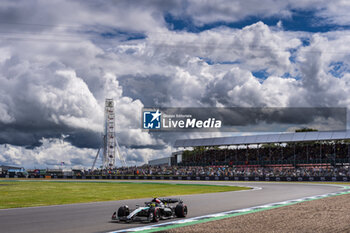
(231, 178)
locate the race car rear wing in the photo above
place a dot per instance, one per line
(166, 200)
(170, 200)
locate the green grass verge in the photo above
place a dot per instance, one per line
(15, 194)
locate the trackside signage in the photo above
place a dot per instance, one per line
(241, 119)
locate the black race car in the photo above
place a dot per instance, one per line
(153, 211)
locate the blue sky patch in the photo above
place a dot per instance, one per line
(337, 69)
(113, 33)
(307, 21)
(293, 56)
(305, 41)
(288, 75)
(124, 35)
(261, 74)
(211, 62)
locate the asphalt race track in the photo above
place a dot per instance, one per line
(95, 217)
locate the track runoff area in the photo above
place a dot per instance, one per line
(95, 217)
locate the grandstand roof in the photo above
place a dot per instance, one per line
(264, 138)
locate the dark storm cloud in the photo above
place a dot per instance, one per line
(153, 147)
(31, 138)
(26, 18)
(77, 161)
(51, 162)
(218, 91)
(273, 119)
(45, 101)
(135, 157)
(298, 116)
(85, 139)
(30, 135)
(152, 90)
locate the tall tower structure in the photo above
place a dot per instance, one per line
(110, 144)
(109, 140)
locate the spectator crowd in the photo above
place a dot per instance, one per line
(272, 152)
(227, 171)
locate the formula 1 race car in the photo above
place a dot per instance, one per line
(153, 211)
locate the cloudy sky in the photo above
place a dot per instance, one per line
(59, 60)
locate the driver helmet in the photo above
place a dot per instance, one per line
(157, 200)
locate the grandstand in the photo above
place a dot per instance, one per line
(287, 149)
(11, 170)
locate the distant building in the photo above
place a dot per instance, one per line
(177, 156)
(12, 171)
(161, 161)
(6, 169)
(173, 160)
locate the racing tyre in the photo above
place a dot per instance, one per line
(123, 211)
(154, 215)
(181, 210)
